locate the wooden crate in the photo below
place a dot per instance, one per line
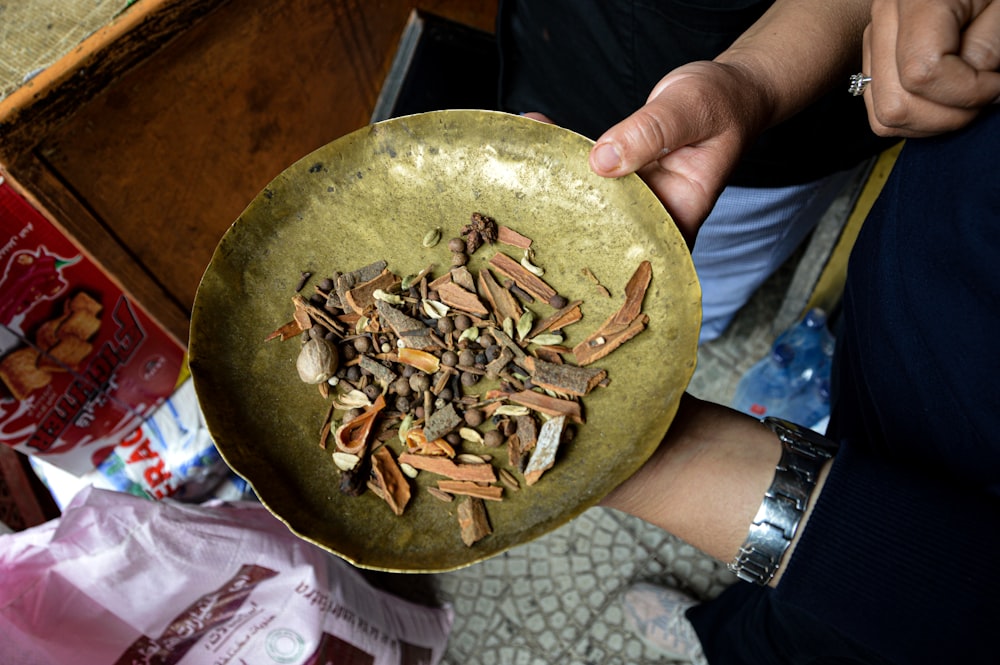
(148, 140)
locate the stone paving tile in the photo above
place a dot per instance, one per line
(557, 599)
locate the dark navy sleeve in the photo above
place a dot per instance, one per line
(588, 64)
(900, 551)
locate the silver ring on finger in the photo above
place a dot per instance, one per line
(858, 83)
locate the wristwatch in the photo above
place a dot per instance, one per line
(803, 454)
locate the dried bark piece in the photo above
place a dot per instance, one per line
(455, 296)
(352, 437)
(596, 346)
(466, 488)
(552, 406)
(498, 364)
(349, 280)
(324, 433)
(502, 301)
(567, 379)
(589, 274)
(438, 282)
(413, 332)
(368, 272)
(316, 313)
(526, 279)
(461, 276)
(417, 443)
(438, 494)
(621, 326)
(520, 444)
(389, 479)
(382, 374)
(360, 298)
(301, 316)
(559, 319)
(472, 521)
(504, 340)
(442, 466)
(544, 455)
(441, 422)
(550, 354)
(635, 291)
(332, 299)
(527, 430)
(287, 331)
(509, 236)
(517, 456)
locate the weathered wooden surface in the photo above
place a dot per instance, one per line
(147, 140)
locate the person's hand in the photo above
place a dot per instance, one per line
(687, 139)
(933, 64)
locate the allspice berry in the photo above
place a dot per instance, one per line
(317, 361)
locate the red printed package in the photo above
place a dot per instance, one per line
(81, 365)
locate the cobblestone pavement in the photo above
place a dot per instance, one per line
(557, 599)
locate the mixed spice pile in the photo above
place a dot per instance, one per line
(448, 374)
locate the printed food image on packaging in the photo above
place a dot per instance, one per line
(60, 345)
(81, 365)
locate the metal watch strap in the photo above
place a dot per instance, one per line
(803, 454)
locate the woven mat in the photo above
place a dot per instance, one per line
(36, 33)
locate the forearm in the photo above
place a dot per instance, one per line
(706, 481)
(798, 50)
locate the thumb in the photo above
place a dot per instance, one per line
(631, 144)
(677, 114)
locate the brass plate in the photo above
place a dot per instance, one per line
(374, 194)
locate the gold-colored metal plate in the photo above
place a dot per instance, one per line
(374, 194)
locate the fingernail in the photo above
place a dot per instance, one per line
(607, 157)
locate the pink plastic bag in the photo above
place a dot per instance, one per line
(119, 579)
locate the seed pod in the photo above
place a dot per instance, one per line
(469, 434)
(547, 339)
(512, 410)
(390, 298)
(471, 334)
(524, 324)
(531, 267)
(346, 461)
(317, 361)
(432, 237)
(434, 309)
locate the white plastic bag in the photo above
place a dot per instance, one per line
(120, 579)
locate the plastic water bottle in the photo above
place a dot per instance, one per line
(810, 406)
(767, 386)
(813, 345)
(793, 381)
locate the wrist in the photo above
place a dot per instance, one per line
(804, 460)
(705, 482)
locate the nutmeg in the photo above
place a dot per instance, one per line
(317, 361)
